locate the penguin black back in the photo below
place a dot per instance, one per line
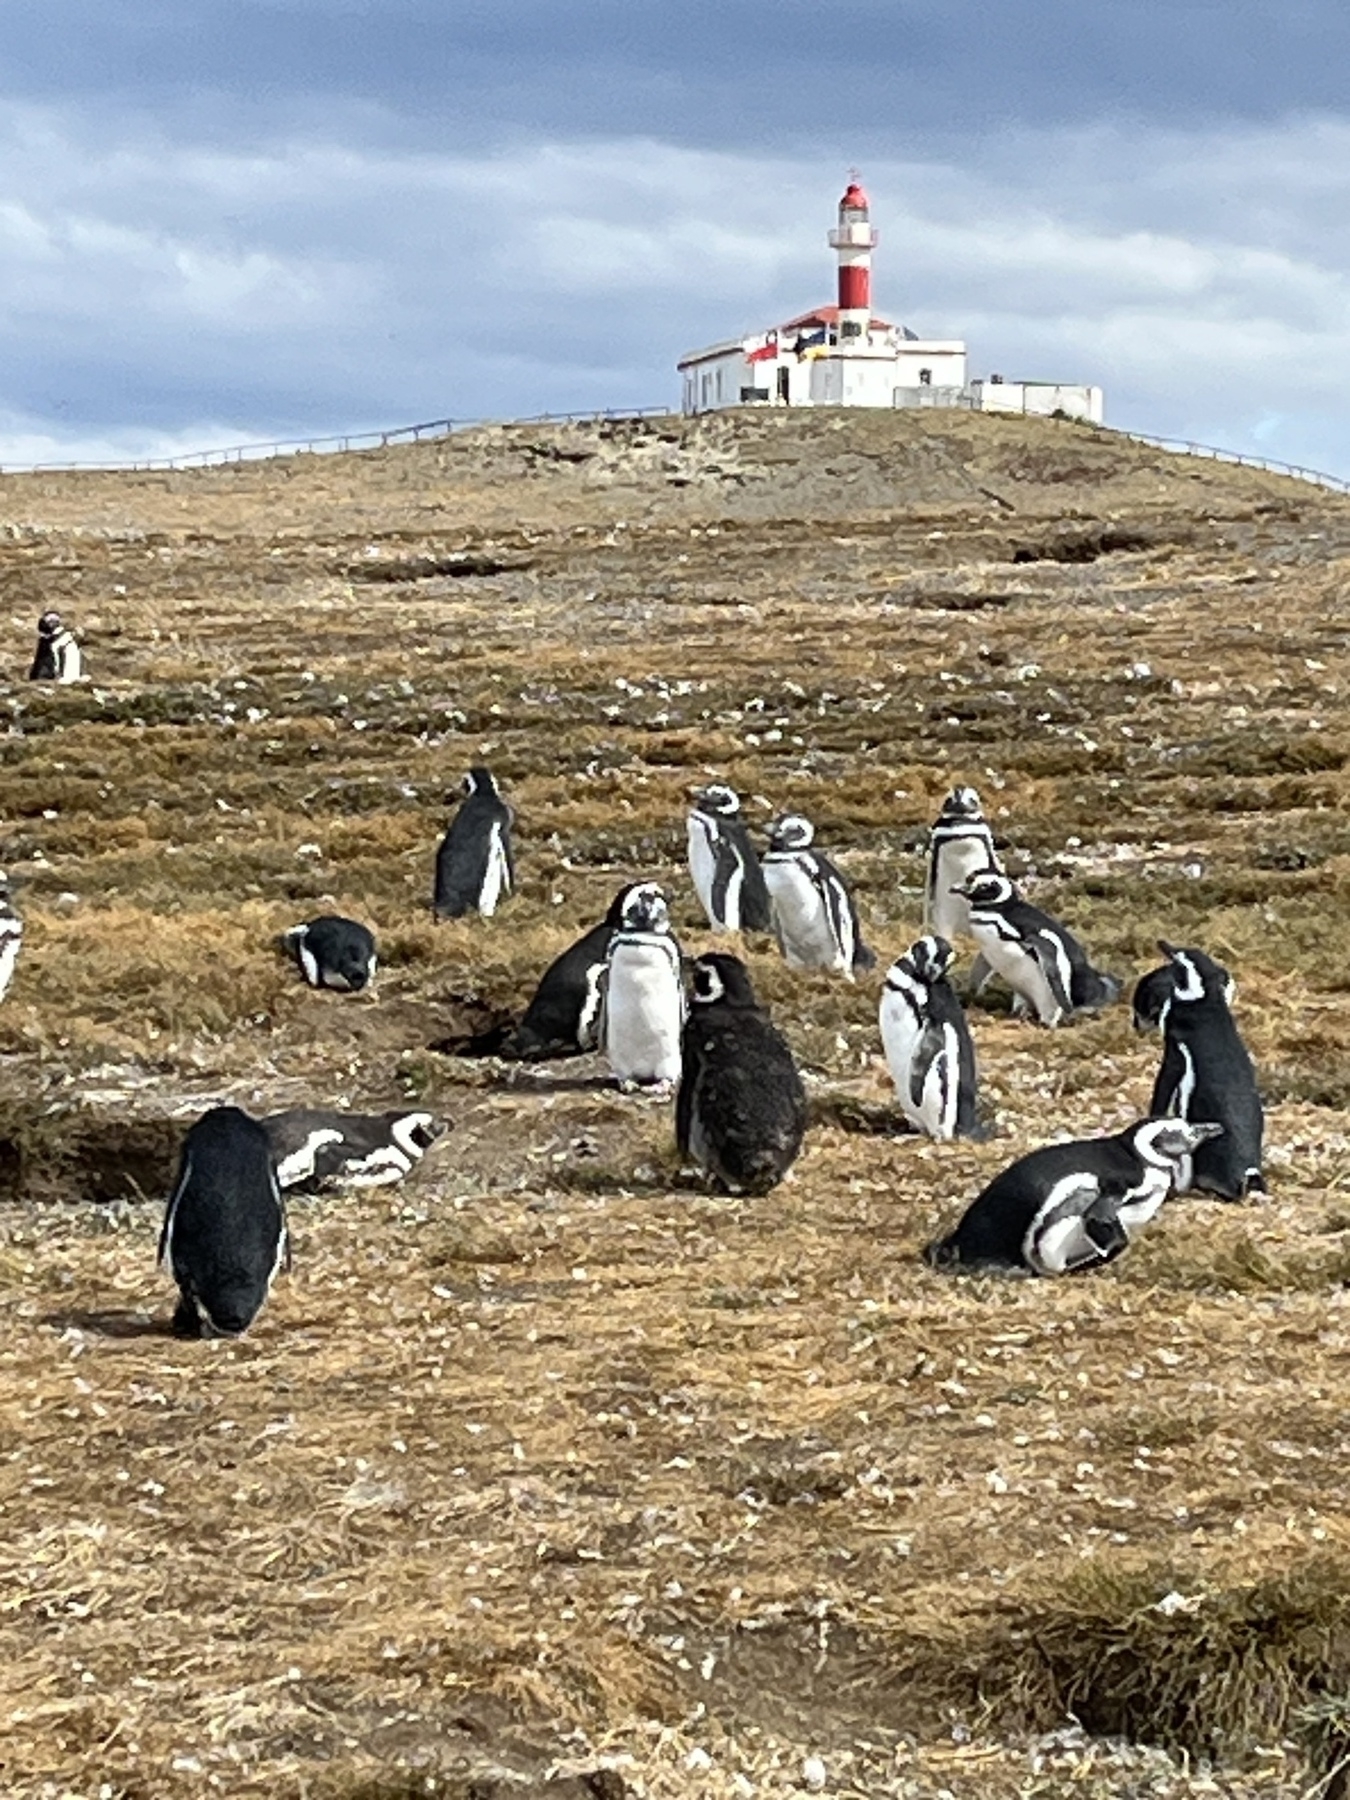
(741, 1109)
(474, 865)
(563, 1018)
(334, 952)
(224, 1233)
(1207, 1073)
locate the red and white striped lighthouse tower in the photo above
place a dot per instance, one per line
(853, 240)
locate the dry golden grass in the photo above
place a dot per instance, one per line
(550, 1464)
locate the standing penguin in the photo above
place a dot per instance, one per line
(474, 869)
(1206, 1073)
(563, 1018)
(643, 1006)
(741, 1109)
(1069, 1207)
(960, 844)
(812, 906)
(57, 657)
(224, 1233)
(927, 1043)
(11, 935)
(726, 873)
(1154, 990)
(1041, 960)
(334, 952)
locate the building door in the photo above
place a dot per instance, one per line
(784, 383)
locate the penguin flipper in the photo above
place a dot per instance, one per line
(930, 1045)
(1168, 1083)
(1047, 952)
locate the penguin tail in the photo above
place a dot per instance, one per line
(1256, 1182)
(1099, 991)
(941, 1254)
(864, 957)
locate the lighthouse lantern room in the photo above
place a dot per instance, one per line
(846, 355)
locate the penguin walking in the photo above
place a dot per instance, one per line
(722, 862)
(11, 935)
(224, 1235)
(1040, 959)
(643, 1003)
(927, 1042)
(1069, 1207)
(960, 844)
(312, 1148)
(1207, 1073)
(814, 917)
(57, 657)
(474, 868)
(741, 1109)
(334, 952)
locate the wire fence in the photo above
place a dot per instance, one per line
(431, 429)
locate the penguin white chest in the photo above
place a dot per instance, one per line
(497, 874)
(954, 862)
(702, 860)
(802, 918)
(1010, 958)
(926, 1080)
(643, 1012)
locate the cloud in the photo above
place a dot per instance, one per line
(158, 288)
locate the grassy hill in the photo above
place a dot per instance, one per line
(550, 1473)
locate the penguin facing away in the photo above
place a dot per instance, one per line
(11, 935)
(814, 917)
(643, 1003)
(1040, 959)
(1069, 1207)
(741, 1109)
(57, 657)
(312, 1147)
(474, 867)
(334, 952)
(960, 844)
(927, 1042)
(722, 863)
(225, 1233)
(563, 1018)
(1152, 992)
(1207, 1073)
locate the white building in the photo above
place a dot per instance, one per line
(845, 355)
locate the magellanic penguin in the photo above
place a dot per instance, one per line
(741, 1109)
(1070, 1207)
(722, 862)
(1039, 958)
(563, 1018)
(57, 657)
(474, 869)
(224, 1233)
(11, 935)
(312, 1148)
(643, 1004)
(1206, 1073)
(814, 917)
(960, 844)
(928, 1044)
(334, 952)
(1154, 990)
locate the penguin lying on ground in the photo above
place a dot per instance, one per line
(224, 1233)
(960, 844)
(1207, 1073)
(474, 869)
(928, 1044)
(57, 657)
(1069, 1207)
(11, 935)
(642, 1009)
(563, 1018)
(311, 1147)
(722, 862)
(811, 904)
(334, 952)
(1039, 958)
(741, 1109)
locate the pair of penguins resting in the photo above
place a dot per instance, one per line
(741, 1110)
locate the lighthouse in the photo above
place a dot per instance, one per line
(853, 240)
(847, 355)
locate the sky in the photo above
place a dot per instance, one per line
(225, 221)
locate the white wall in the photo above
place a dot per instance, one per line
(1038, 397)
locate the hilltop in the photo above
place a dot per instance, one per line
(549, 1460)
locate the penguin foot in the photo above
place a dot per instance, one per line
(186, 1322)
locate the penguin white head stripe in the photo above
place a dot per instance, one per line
(1165, 1141)
(49, 624)
(718, 798)
(645, 909)
(930, 957)
(791, 832)
(962, 802)
(986, 888)
(1189, 983)
(718, 976)
(479, 781)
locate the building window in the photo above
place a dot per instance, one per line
(925, 378)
